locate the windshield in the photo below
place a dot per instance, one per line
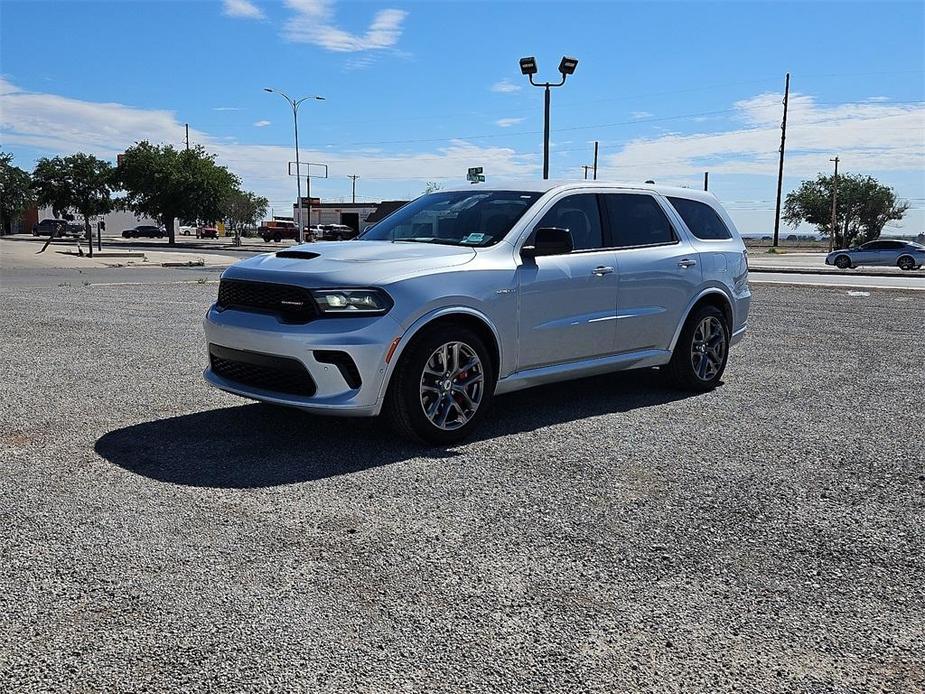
(457, 218)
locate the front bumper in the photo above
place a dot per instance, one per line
(365, 339)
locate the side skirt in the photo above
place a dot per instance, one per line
(581, 369)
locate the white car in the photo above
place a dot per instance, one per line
(465, 294)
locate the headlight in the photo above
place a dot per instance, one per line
(352, 301)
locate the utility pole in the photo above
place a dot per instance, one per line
(780, 170)
(187, 135)
(586, 167)
(834, 206)
(595, 160)
(706, 180)
(354, 178)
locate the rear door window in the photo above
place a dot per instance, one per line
(701, 219)
(637, 220)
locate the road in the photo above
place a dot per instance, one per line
(603, 535)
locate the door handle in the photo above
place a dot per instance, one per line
(602, 270)
(686, 263)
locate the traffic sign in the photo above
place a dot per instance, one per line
(475, 174)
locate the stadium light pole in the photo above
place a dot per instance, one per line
(295, 103)
(566, 67)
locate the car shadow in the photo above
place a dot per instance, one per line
(256, 445)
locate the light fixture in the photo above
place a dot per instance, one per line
(528, 65)
(567, 66)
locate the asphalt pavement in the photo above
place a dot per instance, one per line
(606, 535)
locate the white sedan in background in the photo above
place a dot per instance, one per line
(906, 255)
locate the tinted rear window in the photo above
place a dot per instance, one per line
(637, 220)
(701, 219)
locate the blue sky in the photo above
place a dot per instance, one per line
(419, 91)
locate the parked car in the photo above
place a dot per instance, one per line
(48, 226)
(465, 294)
(144, 231)
(277, 230)
(75, 230)
(185, 230)
(206, 233)
(906, 255)
(335, 232)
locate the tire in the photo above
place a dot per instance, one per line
(417, 384)
(695, 365)
(906, 262)
(277, 238)
(842, 262)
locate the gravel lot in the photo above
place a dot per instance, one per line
(606, 535)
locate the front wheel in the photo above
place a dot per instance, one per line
(700, 355)
(442, 386)
(843, 262)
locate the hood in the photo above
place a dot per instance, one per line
(348, 263)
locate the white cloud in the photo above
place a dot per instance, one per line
(241, 8)
(638, 115)
(313, 23)
(227, 108)
(871, 136)
(505, 86)
(508, 122)
(261, 124)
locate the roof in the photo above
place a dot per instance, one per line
(541, 186)
(384, 209)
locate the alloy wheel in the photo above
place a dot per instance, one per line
(708, 348)
(452, 385)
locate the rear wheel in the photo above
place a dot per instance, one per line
(700, 356)
(843, 262)
(906, 262)
(442, 386)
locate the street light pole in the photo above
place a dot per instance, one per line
(566, 67)
(295, 103)
(834, 206)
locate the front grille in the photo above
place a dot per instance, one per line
(292, 304)
(264, 371)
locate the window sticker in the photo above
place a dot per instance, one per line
(474, 238)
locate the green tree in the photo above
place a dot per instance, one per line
(244, 209)
(865, 207)
(15, 191)
(79, 183)
(169, 184)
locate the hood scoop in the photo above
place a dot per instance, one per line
(303, 255)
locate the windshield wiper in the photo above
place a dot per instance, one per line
(428, 239)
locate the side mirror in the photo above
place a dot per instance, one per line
(549, 241)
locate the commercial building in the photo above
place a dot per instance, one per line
(356, 215)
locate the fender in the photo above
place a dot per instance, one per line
(424, 320)
(702, 293)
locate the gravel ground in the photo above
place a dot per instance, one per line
(605, 535)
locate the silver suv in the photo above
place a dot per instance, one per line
(465, 294)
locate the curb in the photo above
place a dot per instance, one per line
(826, 271)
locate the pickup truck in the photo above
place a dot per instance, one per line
(276, 230)
(58, 227)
